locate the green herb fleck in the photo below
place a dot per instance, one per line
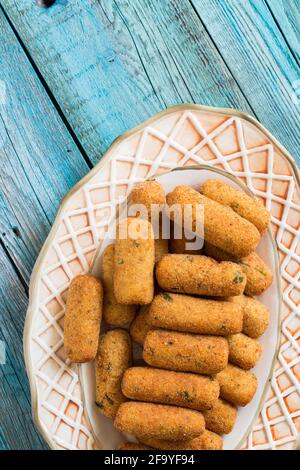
(186, 396)
(108, 367)
(110, 401)
(210, 377)
(99, 405)
(261, 272)
(136, 243)
(120, 261)
(238, 278)
(166, 297)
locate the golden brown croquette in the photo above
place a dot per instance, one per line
(171, 388)
(185, 352)
(246, 206)
(200, 275)
(206, 441)
(113, 358)
(134, 262)
(194, 315)
(152, 421)
(113, 313)
(83, 318)
(221, 417)
(237, 386)
(244, 351)
(223, 227)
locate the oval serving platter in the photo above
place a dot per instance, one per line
(185, 135)
(104, 432)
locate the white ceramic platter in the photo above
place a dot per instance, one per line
(104, 432)
(183, 136)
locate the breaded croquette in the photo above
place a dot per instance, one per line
(244, 351)
(171, 388)
(180, 245)
(246, 206)
(113, 313)
(206, 441)
(185, 352)
(221, 417)
(237, 386)
(152, 421)
(83, 318)
(200, 275)
(259, 276)
(256, 316)
(194, 315)
(134, 262)
(133, 446)
(113, 358)
(150, 193)
(141, 325)
(223, 227)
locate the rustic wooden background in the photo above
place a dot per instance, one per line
(75, 76)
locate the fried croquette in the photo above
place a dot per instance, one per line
(171, 388)
(200, 275)
(194, 315)
(83, 318)
(113, 358)
(256, 316)
(134, 262)
(246, 206)
(113, 313)
(206, 441)
(221, 417)
(133, 446)
(141, 325)
(185, 352)
(150, 194)
(259, 276)
(152, 421)
(223, 227)
(244, 351)
(237, 386)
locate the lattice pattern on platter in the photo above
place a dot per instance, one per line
(178, 139)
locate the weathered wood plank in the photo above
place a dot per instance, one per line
(112, 64)
(16, 427)
(39, 161)
(258, 56)
(287, 16)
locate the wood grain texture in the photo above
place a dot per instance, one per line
(256, 52)
(17, 430)
(39, 161)
(111, 65)
(287, 15)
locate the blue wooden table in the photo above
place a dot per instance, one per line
(75, 76)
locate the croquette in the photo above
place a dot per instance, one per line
(83, 318)
(237, 386)
(171, 388)
(256, 316)
(134, 262)
(221, 417)
(150, 194)
(246, 206)
(223, 227)
(113, 313)
(200, 275)
(113, 358)
(259, 276)
(194, 315)
(133, 446)
(152, 421)
(141, 325)
(185, 352)
(206, 441)
(244, 351)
